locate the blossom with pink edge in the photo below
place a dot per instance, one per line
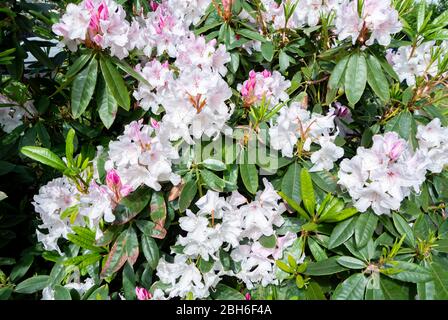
(264, 85)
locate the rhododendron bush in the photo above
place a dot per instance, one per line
(224, 149)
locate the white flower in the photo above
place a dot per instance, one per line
(409, 62)
(53, 199)
(142, 155)
(200, 240)
(433, 143)
(294, 123)
(324, 158)
(378, 17)
(384, 175)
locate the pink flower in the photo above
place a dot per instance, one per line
(154, 123)
(143, 294)
(113, 181)
(248, 296)
(154, 5)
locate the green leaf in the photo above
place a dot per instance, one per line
(364, 227)
(325, 267)
(102, 293)
(441, 245)
(115, 83)
(107, 105)
(351, 263)
(404, 124)
(5, 293)
(307, 190)
(223, 292)
(268, 241)
(78, 64)
(129, 282)
(32, 285)
(440, 276)
(21, 268)
(291, 183)
(342, 215)
(187, 194)
(253, 35)
(151, 251)
(131, 205)
(355, 78)
(394, 290)
(61, 293)
(215, 165)
(341, 233)
(441, 21)
(205, 265)
(267, 50)
(407, 272)
(44, 156)
(421, 15)
(316, 250)
(212, 180)
(249, 174)
(84, 238)
(125, 248)
(351, 289)
(314, 292)
(83, 88)
(70, 146)
(294, 205)
(234, 62)
(376, 78)
(283, 59)
(337, 75)
(403, 228)
(158, 213)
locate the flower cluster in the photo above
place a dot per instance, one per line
(100, 23)
(410, 62)
(296, 124)
(148, 159)
(382, 176)
(61, 205)
(267, 85)
(376, 20)
(306, 13)
(103, 24)
(234, 227)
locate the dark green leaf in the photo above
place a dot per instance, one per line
(83, 88)
(31, 285)
(115, 83)
(351, 289)
(355, 78)
(150, 250)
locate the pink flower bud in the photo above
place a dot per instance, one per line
(267, 73)
(154, 5)
(396, 150)
(252, 74)
(143, 294)
(113, 180)
(154, 123)
(103, 11)
(248, 296)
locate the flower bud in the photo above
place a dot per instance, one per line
(143, 294)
